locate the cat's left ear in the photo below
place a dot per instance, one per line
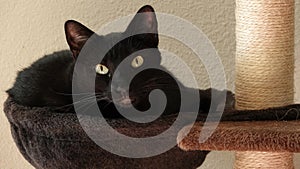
(76, 34)
(144, 21)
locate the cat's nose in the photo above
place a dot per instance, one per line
(122, 91)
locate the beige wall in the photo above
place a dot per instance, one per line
(30, 29)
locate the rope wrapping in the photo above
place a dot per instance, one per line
(247, 160)
(264, 67)
(265, 53)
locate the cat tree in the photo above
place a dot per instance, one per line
(265, 41)
(264, 79)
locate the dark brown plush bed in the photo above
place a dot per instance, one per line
(50, 140)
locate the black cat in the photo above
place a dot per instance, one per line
(48, 81)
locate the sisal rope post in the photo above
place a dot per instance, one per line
(264, 67)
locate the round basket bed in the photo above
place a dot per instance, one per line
(52, 140)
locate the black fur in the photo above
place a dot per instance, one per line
(48, 81)
(41, 83)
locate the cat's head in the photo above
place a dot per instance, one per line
(145, 81)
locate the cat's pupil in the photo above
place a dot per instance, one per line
(136, 61)
(101, 68)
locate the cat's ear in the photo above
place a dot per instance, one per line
(144, 21)
(76, 34)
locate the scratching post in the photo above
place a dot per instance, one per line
(264, 67)
(264, 84)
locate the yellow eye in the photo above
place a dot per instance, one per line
(101, 69)
(137, 62)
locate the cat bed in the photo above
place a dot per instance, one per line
(50, 140)
(267, 136)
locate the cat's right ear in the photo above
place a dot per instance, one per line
(76, 34)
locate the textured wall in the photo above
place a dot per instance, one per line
(30, 29)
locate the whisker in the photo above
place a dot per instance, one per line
(88, 106)
(77, 102)
(72, 94)
(84, 105)
(107, 104)
(87, 99)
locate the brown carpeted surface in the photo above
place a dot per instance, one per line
(279, 136)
